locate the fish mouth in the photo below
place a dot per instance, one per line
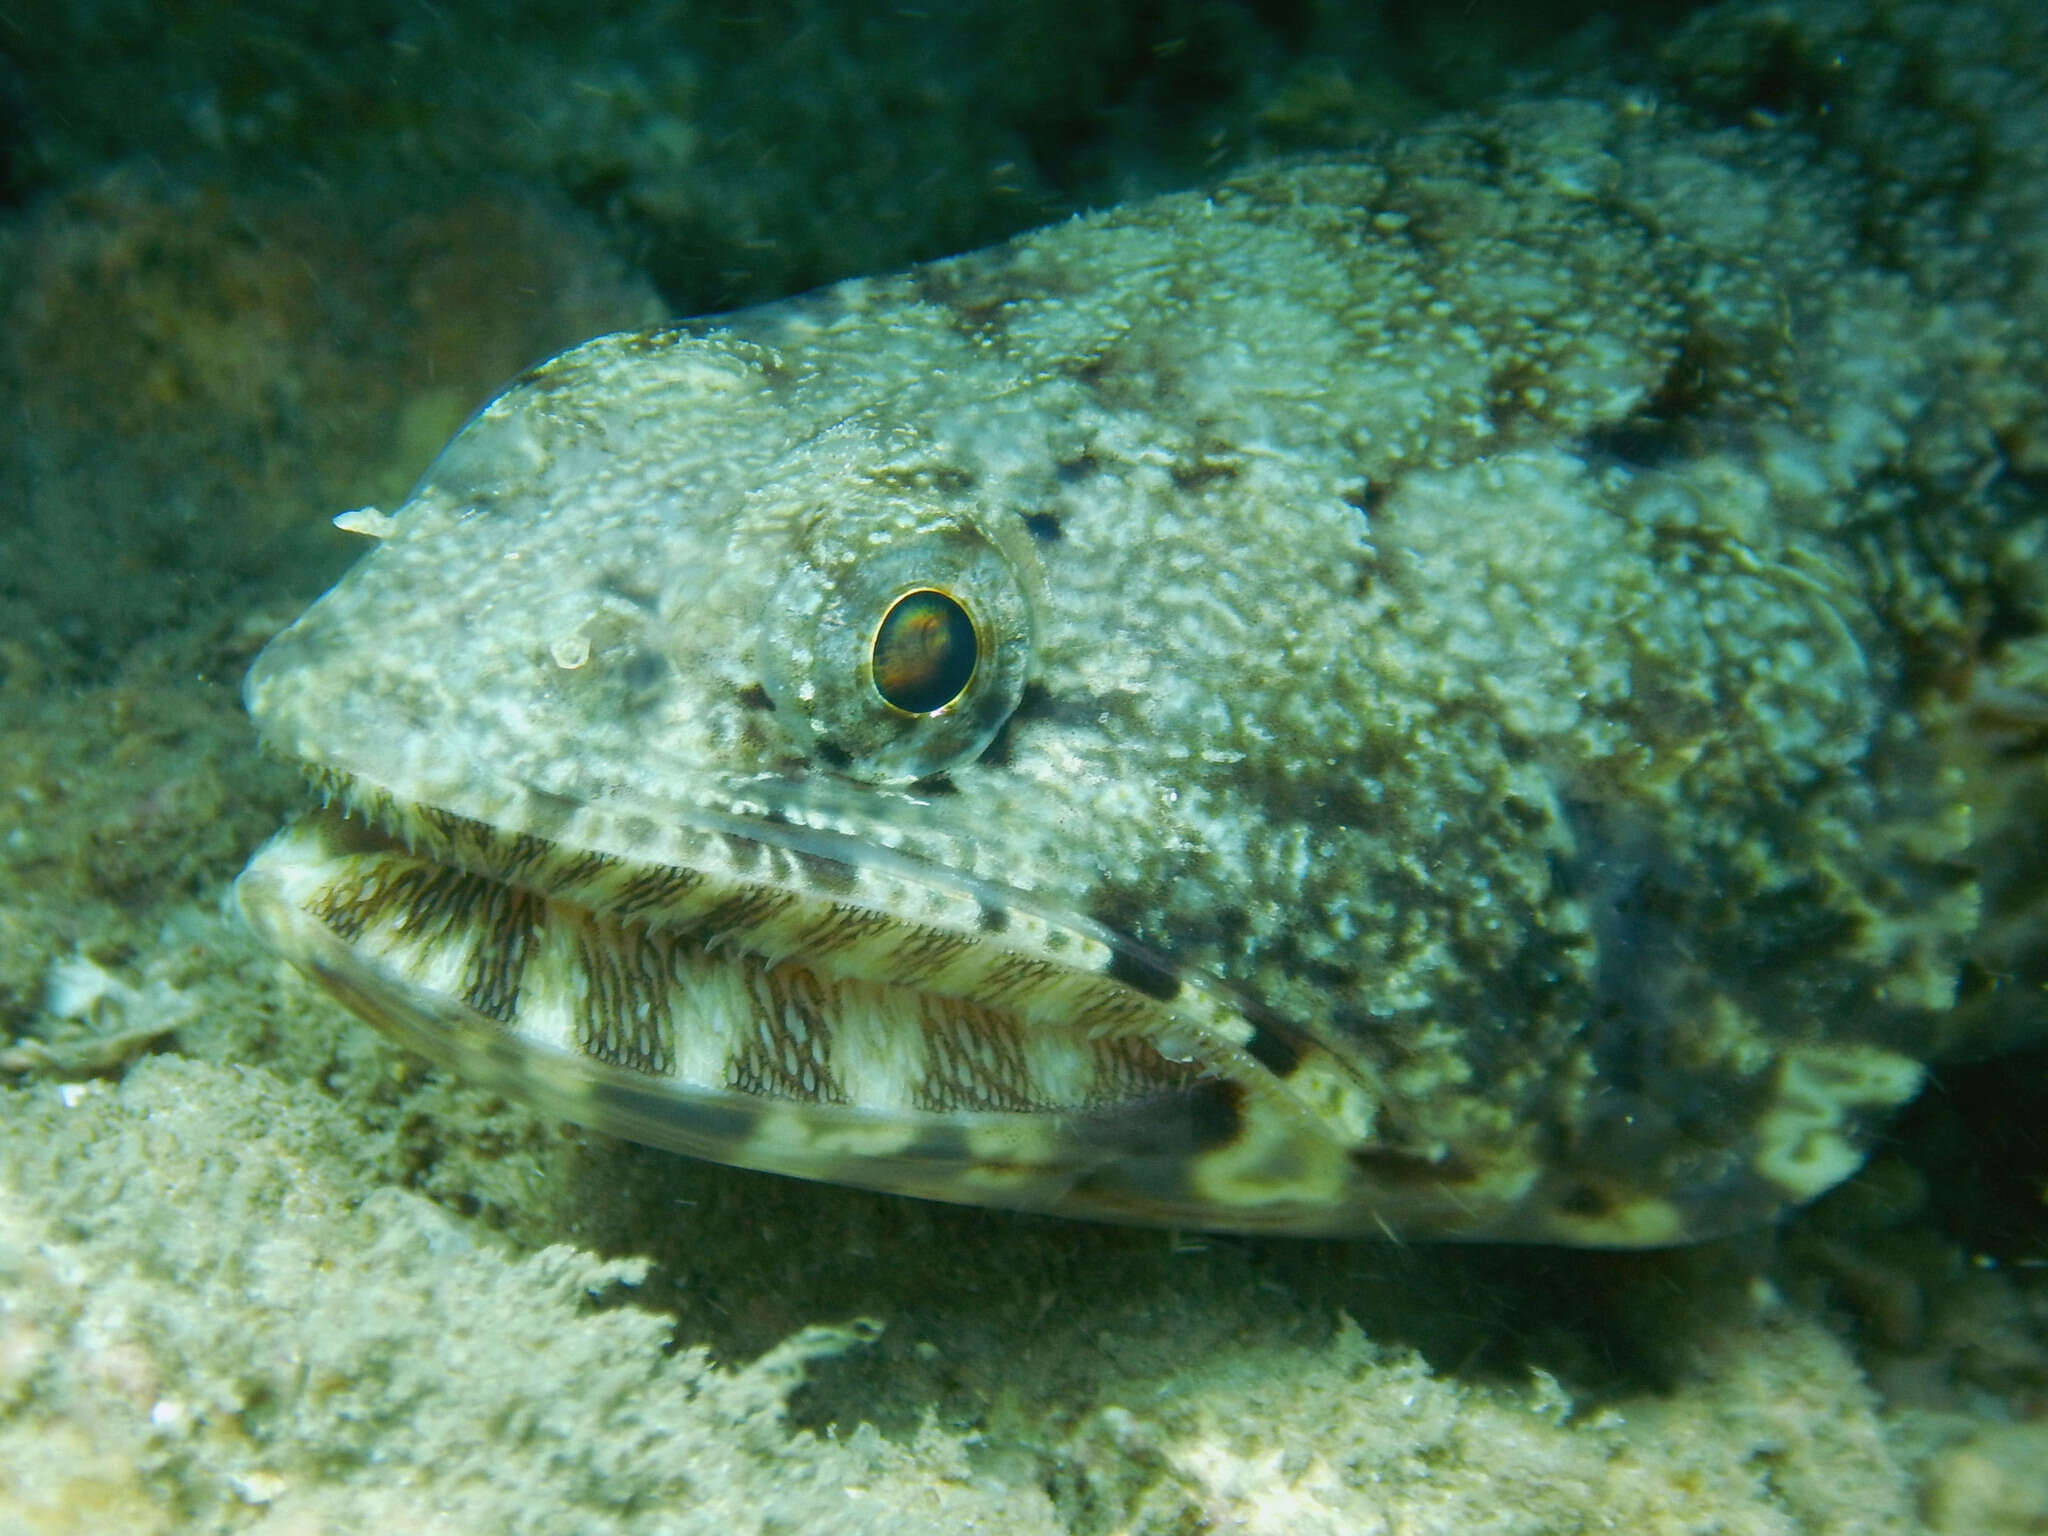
(765, 994)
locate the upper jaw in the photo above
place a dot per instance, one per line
(747, 880)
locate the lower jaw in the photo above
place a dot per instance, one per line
(654, 1035)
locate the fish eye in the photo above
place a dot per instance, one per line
(893, 652)
(925, 652)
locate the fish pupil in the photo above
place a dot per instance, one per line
(925, 652)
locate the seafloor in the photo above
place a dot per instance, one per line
(259, 1271)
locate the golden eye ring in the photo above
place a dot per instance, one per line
(925, 652)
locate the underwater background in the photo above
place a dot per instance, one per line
(260, 1271)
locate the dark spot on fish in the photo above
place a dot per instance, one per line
(1079, 467)
(754, 696)
(1142, 973)
(1215, 1113)
(1044, 527)
(991, 919)
(623, 1100)
(831, 754)
(934, 785)
(1659, 924)
(1273, 1051)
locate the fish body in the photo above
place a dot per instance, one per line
(1387, 695)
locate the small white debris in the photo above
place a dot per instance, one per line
(368, 521)
(169, 1413)
(256, 1487)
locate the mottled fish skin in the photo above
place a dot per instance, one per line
(1444, 740)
